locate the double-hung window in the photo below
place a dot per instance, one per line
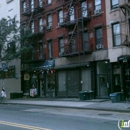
(32, 26)
(97, 4)
(40, 51)
(85, 41)
(40, 3)
(49, 20)
(99, 37)
(61, 46)
(49, 2)
(24, 7)
(116, 34)
(114, 4)
(40, 22)
(50, 49)
(60, 16)
(84, 9)
(71, 13)
(32, 5)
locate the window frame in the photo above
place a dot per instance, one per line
(84, 9)
(60, 16)
(114, 6)
(96, 5)
(100, 38)
(40, 3)
(32, 5)
(24, 7)
(49, 2)
(49, 21)
(40, 25)
(61, 45)
(72, 16)
(115, 35)
(41, 51)
(50, 49)
(32, 26)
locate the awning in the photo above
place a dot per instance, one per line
(86, 64)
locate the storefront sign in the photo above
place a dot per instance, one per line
(49, 64)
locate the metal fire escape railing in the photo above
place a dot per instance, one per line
(124, 5)
(68, 47)
(78, 28)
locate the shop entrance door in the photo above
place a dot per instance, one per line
(72, 83)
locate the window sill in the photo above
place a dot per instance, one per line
(99, 14)
(114, 10)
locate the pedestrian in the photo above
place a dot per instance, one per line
(3, 95)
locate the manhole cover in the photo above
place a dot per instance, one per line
(105, 114)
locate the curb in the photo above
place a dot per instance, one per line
(83, 108)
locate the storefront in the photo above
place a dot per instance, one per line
(73, 78)
(41, 79)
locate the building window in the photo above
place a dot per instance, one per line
(60, 16)
(40, 51)
(40, 22)
(71, 13)
(49, 2)
(49, 21)
(24, 7)
(84, 9)
(116, 34)
(97, 4)
(114, 4)
(85, 41)
(32, 26)
(32, 5)
(50, 49)
(40, 3)
(99, 38)
(61, 46)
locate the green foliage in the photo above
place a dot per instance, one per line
(11, 37)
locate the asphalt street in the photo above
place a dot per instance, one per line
(45, 118)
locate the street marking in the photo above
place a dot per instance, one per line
(22, 126)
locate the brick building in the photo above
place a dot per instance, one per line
(70, 47)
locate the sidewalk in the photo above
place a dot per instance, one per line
(94, 104)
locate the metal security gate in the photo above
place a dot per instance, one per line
(73, 83)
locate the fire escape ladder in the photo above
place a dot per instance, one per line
(70, 10)
(72, 38)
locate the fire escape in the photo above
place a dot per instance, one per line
(124, 5)
(30, 13)
(75, 23)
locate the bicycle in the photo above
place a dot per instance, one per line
(127, 103)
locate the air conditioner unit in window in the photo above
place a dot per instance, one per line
(97, 11)
(48, 27)
(99, 46)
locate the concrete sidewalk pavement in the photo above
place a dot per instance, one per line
(95, 104)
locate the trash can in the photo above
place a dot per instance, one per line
(13, 95)
(87, 97)
(91, 94)
(116, 97)
(82, 95)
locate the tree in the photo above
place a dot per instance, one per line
(11, 37)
